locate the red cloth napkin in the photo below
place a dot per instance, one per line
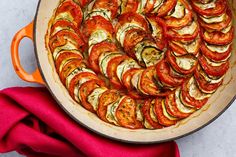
(34, 125)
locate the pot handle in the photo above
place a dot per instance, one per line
(35, 77)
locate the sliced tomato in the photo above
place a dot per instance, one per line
(163, 74)
(85, 89)
(95, 23)
(172, 108)
(212, 70)
(107, 98)
(129, 6)
(136, 95)
(158, 28)
(193, 101)
(218, 26)
(126, 114)
(163, 116)
(183, 48)
(132, 17)
(185, 64)
(67, 55)
(63, 24)
(132, 38)
(75, 80)
(147, 82)
(111, 70)
(110, 5)
(218, 38)
(214, 55)
(187, 33)
(176, 22)
(73, 8)
(126, 78)
(70, 66)
(64, 36)
(146, 113)
(207, 86)
(165, 8)
(97, 50)
(217, 9)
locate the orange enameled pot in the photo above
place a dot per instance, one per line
(46, 75)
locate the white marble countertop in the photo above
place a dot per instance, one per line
(217, 139)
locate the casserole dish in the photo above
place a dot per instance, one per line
(46, 74)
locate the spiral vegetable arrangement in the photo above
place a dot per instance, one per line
(141, 63)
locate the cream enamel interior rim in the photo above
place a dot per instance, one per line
(218, 103)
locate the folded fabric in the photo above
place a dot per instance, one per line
(34, 125)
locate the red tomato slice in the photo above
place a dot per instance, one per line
(132, 38)
(68, 68)
(159, 110)
(192, 102)
(136, 95)
(86, 89)
(174, 35)
(167, 6)
(95, 23)
(205, 85)
(62, 37)
(147, 83)
(66, 55)
(172, 109)
(111, 5)
(211, 70)
(132, 17)
(129, 6)
(218, 38)
(127, 76)
(181, 48)
(64, 24)
(97, 50)
(74, 81)
(163, 74)
(108, 97)
(146, 113)
(126, 114)
(111, 70)
(158, 30)
(172, 59)
(219, 8)
(215, 56)
(219, 25)
(173, 22)
(73, 8)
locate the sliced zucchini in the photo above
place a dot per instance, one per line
(194, 91)
(210, 80)
(214, 19)
(181, 107)
(104, 60)
(135, 79)
(59, 28)
(68, 46)
(77, 87)
(72, 51)
(76, 72)
(165, 113)
(190, 29)
(227, 29)
(124, 66)
(147, 125)
(110, 115)
(141, 5)
(151, 55)
(93, 98)
(178, 11)
(98, 36)
(190, 47)
(139, 114)
(157, 5)
(152, 112)
(99, 12)
(185, 62)
(218, 48)
(211, 63)
(64, 16)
